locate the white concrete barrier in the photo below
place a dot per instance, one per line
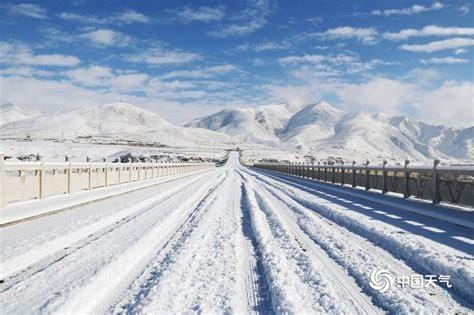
(21, 181)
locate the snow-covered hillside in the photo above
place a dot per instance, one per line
(324, 130)
(261, 125)
(114, 121)
(10, 112)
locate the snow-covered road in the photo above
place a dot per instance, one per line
(233, 240)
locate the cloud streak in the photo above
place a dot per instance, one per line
(452, 43)
(17, 54)
(27, 9)
(203, 14)
(365, 35)
(124, 17)
(431, 30)
(415, 9)
(248, 21)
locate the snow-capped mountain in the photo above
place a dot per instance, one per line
(313, 122)
(327, 131)
(10, 112)
(260, 125)
(116, 120)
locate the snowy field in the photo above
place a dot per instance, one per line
(54, 151)
(234, 240)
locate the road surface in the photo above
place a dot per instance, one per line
(234, 240)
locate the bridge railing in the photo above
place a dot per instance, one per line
(21, 181)
(452, 184)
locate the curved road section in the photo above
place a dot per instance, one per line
(236, 240)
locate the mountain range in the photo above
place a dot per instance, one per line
(320, 128)
(115, 121)
(317, 129)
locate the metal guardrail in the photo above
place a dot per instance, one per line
(36, 180)
(453, 184)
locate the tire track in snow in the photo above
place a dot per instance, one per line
(108, 284)
(48, 288)
(257, 282)
(420, 253)
(140, 289)
(36, 260)
(360, 257)
(296, 283)
(202, 268)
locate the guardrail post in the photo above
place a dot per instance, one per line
(119, 174)
(367, 175)
(325, 172)
(319, 171)
(406, 182)
(68, 171)
(138, 172)
(342, 173)
(129, 170)
(333, 165)
(312, 170)
(353, 174)
(2, 180)
(384, 177)
(41, 179)
(89, 171)
(106, 173)
(435, 181)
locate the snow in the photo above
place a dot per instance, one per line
(10, 113)
(318, 130)
(232, 240)
(322, 130)
(113, 122)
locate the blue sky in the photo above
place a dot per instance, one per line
(184, 59)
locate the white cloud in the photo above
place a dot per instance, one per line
(423, 77)
(448, 103)
(28, 9)
(201, 73)
(107, 37)
(129, 82)
(91, 76)
(365, 35)
(160, 56)
(126, 16)
(431, 30)
(265, 46)
(336, 59)
(105, 77)
(51, 95)
(464, 9)
(131, 16)
(460, 51)
(203, 14)
(81, 18)
(379, 94)
(329, 65)
(452, 43)
(247, 22)
(444, 60)
(293, 93)
(26, 72)
(415, 9)
(19, 54)
(451, 104)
